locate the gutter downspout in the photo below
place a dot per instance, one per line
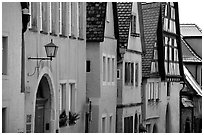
(25, 20)
(180, 105)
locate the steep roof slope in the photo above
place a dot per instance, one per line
(150, 12)
(124, 10)
(95, 21)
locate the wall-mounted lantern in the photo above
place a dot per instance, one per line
(51, 51)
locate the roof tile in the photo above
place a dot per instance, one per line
(95, 19)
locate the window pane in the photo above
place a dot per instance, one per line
(44, 17)
(149, 91)
(113, 67)
(73, 97)
(88, 66)
(172, 13)
(4, 55)
(136, 74)
(104, 68)
(132, 73)
(109, 69)
(81, 19)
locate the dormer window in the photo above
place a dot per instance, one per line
(171, 56)
(133, 25)
(169, 18)
(154, 65)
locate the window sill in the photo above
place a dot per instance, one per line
(43, 32)
(80, 38)
(33, 29)
(53, 34)
(72, 37)
(62, 36)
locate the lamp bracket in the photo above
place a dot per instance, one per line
(37, 58)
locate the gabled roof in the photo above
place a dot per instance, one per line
(150, 12)
(124, 10)
(95, 21)
(190, 30)
(188, 54)
(190, 79)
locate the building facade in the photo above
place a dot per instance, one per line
(57, 85)
(129, 67)
(12, 98)
(101, 59)
(191, 95)
(161, 67)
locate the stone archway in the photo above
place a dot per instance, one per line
(43, 107)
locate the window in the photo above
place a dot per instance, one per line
(44, 17)
(129, 73)
(103, 124)
(171, 56)
(4, 55)
(136, 74)
(4, 120)
(109, 69)
(53, 18)
(73, 13)
(88, 66)
(60, 18)
(41, 21)
(133, 25)
(81, 19)
(72, 97)
(104, 68)
(169, 19)
(156, 88)
(50, 17)
(154, 91)
(30, 13)
(118, 73)
(62, 97)
(128, 124)
(70, 17)
(113, 69)
(168, 88)
(110, 125)
(33, 15)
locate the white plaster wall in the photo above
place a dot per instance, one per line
(132, 94)
(134, 43)
(69, 66)
(12, 98)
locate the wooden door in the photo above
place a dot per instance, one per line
(39, 116)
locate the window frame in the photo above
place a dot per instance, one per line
(133, 25)
(5, 55)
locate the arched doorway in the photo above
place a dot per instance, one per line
(167, 119)
(155, 129)
(43, 107)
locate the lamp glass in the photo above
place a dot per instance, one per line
(51, 49)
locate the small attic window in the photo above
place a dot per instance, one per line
(133, 25)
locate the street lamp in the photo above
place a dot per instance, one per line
(51, 51)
